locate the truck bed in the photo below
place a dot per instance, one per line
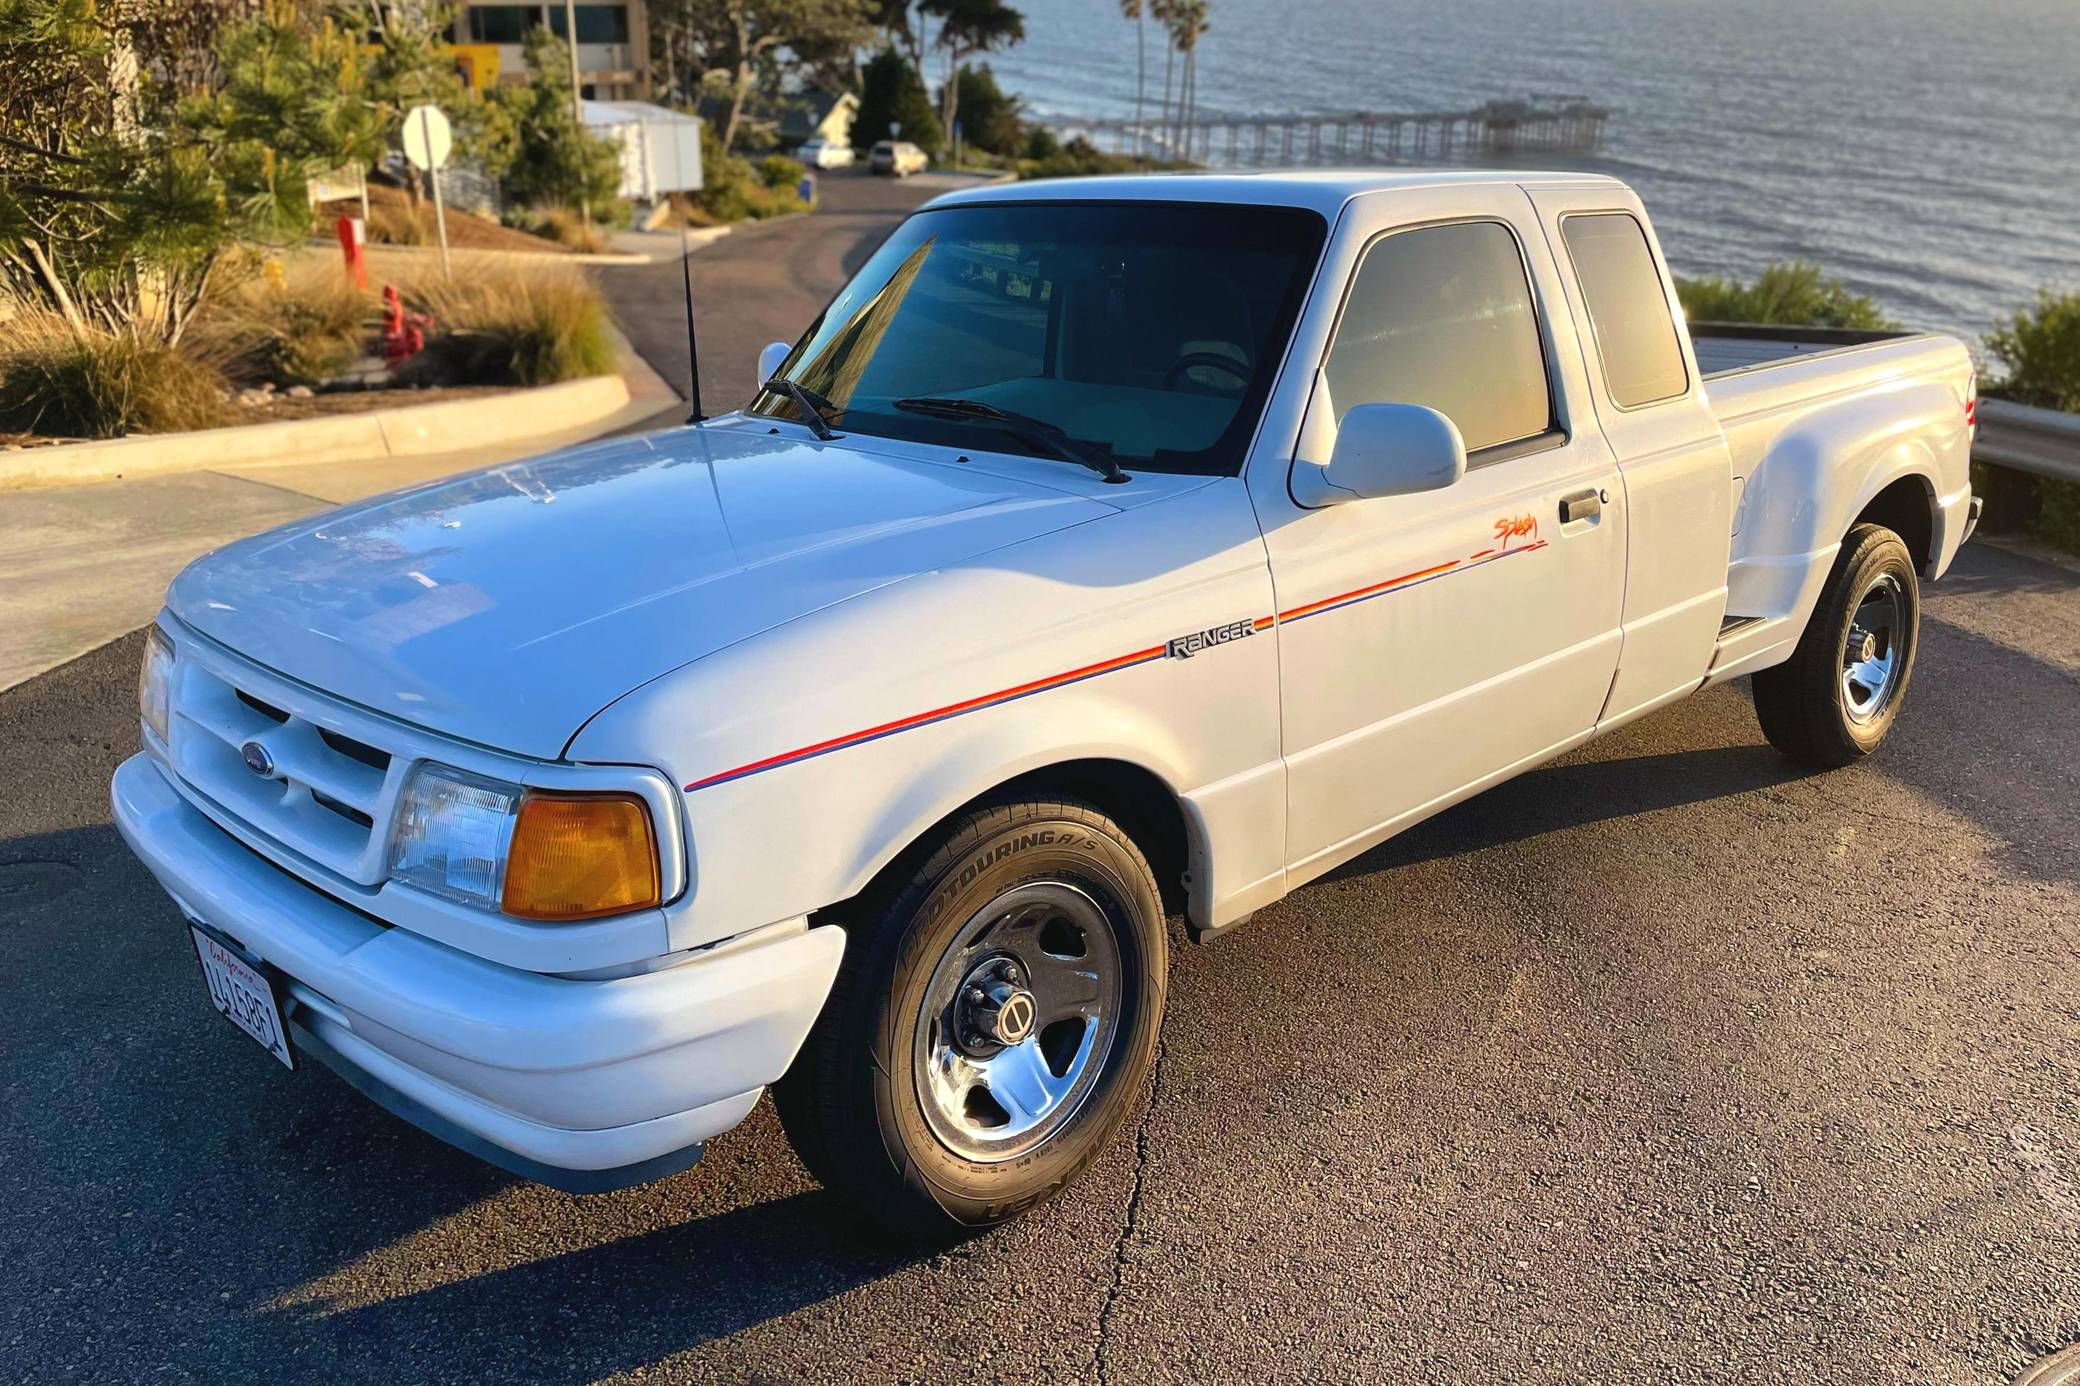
(1730, 348)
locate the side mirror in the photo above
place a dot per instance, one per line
(769, 358)
(1384, 450)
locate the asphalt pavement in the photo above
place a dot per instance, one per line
(1665, 1062)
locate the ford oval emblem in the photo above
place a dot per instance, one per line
(256, 758)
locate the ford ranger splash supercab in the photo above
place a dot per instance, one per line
(1107, 551)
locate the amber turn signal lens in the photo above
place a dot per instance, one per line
(579, 857)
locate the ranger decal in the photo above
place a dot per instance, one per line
(1185, 646)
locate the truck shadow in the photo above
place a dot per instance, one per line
(1573, 793)
(585, 1313)
(2004, 765)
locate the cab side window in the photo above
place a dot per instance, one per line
(1628, 313)
(1443, 316)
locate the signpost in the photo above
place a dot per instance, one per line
(427, 141)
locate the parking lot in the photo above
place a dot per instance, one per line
(1667, 1061)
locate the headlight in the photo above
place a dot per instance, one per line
(532, 854)
(155, 683)
(451, 834)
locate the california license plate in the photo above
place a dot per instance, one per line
(242, 993)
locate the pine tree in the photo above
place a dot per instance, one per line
(143, 171)
(892, 92)
(556, 161)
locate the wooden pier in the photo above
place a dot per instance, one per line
(1542, 124)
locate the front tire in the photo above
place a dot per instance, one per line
(992, 1023)
(1833, 702)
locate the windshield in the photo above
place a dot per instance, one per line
(1147, 333)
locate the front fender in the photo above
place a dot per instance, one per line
(813, 755)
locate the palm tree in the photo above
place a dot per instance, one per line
(1191, 27)
(1165, 12)
(1136, 10)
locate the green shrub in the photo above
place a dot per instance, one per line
(2058, 513)
(512, 325)
(733, 189)
(294, 327)
(104, 384)
(1796, 294)
(2040, 349)
(780, 173)
(1080, 158)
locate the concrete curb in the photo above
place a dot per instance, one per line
(406, 431)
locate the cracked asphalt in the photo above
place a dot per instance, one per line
(1663, 1062)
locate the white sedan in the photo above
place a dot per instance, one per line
(821, 153)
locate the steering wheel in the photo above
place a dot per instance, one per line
(1192, 359)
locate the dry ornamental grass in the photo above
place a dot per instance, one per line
(59, 383)
(523, 324)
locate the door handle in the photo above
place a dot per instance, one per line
(1582, 505)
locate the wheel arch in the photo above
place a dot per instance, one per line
(1905, 505)
(1146, 805)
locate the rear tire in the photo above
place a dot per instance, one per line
(1833, 702)
(992, 1023)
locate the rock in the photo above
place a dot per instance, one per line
(299, 392)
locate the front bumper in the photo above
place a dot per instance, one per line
(585, 1085)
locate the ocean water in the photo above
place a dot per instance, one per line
(1926, 152)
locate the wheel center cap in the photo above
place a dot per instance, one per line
(1014, 1016)
(997, 1011)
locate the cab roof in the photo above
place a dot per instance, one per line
(1323, 190)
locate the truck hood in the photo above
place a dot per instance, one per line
(507, 606)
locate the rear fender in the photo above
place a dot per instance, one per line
(1815, 478)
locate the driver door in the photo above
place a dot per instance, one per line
(1432, 644)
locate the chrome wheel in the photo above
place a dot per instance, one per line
(1018, 1020)
(1871, 651)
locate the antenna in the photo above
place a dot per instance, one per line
(693, 355)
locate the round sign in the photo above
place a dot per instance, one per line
(426, 137)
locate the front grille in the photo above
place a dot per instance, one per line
(267, 710)
(318, 791)
(355, 750)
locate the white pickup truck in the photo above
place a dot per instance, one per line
(1107, 551)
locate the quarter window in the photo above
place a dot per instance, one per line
(1443, 317)
(1628, 312)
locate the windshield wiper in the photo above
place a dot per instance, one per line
(1038, 433)
(808, 401)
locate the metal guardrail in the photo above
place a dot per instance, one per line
(2042, 442)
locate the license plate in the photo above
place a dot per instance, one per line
(242, 993)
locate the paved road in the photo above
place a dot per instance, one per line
(1662, 1062)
